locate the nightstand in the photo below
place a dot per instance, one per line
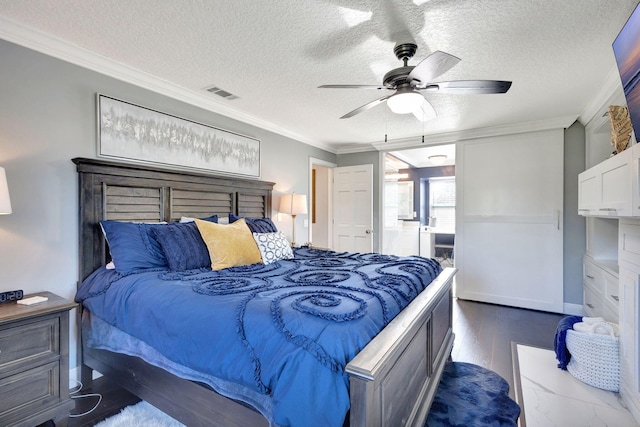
(34, 362)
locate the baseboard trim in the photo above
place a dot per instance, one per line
(574, 309)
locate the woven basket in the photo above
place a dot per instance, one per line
(621, 127)
(595, 359)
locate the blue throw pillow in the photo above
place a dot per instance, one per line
(132, 246)
(183, 246)
(256, 225)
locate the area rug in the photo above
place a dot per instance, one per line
(469, 395)
(141, 414)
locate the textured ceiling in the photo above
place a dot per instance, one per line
(274, 54)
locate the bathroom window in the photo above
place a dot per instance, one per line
(442, 203)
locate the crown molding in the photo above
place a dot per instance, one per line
(609, 93)
(453, 137)
(61, 49)
(359, 148)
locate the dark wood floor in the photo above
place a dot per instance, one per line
(484, 333)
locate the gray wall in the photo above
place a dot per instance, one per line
(575, 239)
(47, 117)
(365, 158)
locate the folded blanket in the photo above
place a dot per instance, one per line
(559, 343)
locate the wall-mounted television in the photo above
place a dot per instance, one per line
(626, 49)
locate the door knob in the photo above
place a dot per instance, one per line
(368, 231)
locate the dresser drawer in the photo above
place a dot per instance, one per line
(29, 343)
(28, 392)
(593, 302)
(611, 290)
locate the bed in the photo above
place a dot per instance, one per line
(391, 381)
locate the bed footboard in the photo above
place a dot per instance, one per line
(394, 378)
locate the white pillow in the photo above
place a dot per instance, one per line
(273, 246)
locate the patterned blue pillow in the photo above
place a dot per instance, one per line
(183, 246)
(273, 246)
(132, 246)
(256, 225)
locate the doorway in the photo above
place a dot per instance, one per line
(410, 225)
(321, 203)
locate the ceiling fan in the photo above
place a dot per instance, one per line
(409, 82)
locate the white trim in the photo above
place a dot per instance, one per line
(609, 89)
(574, 309)
(463, 135)
(58, 48)
(319, 162)
(456, 136)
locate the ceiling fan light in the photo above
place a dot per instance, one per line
(405, 102)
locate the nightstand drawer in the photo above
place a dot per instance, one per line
(29, 344)
(28, 392)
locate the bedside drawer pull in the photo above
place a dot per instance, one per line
(590, 277)
(615, 297)
(590, 305)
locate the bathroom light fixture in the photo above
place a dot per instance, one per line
(438, 159)
(395, 176)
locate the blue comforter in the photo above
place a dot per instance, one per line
(286, 329)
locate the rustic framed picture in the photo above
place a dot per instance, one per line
(133, 133)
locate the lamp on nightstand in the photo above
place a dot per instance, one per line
(293, 204)
(5, 201)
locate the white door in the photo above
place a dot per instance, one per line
(353, 208)
(509, 220)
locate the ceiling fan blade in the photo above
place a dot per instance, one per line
(469, 86)
(432, 66)
(352, 87)
(365, 107)
(426, 112)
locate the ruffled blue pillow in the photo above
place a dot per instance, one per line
(256, 225)
(132, 246)
(183, 246)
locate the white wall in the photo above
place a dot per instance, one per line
(48, 117)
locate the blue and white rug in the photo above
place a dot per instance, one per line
(471, 396)
(468, 396)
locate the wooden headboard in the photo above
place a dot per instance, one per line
(129, 192)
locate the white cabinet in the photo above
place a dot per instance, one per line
(410, 238)
(427, 243)
(629, 338)
(600, 279)
(606, 189)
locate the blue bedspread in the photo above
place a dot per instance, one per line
(286, 329)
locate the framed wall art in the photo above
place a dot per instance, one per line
(130, 132)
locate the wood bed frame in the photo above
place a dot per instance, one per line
(392, 380)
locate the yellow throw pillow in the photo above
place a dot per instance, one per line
(229, 245)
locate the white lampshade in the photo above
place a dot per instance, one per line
(5, 201)
(293, 204)
(405, 102)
